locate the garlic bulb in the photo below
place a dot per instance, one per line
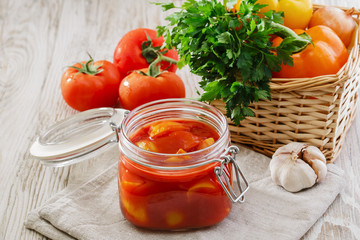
(296, 166)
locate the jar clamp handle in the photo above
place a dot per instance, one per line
(223, 178)
(115, 126)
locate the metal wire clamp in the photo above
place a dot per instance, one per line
(241, 182)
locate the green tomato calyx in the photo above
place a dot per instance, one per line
(89, 68)
(153, 56)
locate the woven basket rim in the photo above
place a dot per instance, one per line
(320, 82)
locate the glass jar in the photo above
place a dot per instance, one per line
(160, 194)
(155, 193)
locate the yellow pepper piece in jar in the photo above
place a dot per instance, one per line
(137, 212)
(147, 145)
(207, 142)
(129, 180)
(174, 218)
(165, 127)
(128, 184)
(180, 151)
(204, 187)
(178, 159)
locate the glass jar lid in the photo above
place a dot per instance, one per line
(79, 137)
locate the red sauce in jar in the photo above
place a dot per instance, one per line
(173, 199)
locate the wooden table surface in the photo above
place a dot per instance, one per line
(38, 39)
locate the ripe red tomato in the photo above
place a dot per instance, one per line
(88, 85)
(137, 89)
(128, 55)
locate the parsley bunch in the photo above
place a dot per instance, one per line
(231, 51)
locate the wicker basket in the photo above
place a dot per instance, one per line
(317, 111)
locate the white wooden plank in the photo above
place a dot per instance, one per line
(26, 42)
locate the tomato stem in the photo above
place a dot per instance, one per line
(154, 68)
(154, 56)
(169, 60)
(89, 68)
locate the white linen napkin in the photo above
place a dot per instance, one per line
(92, 210)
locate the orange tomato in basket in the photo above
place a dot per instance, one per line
(326, 56)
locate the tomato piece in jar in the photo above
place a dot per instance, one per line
(172, 135)
(172, 199)
(147, 145)
(165, 127)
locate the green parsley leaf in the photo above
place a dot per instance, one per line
(165, 6)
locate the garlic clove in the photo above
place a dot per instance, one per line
(313, 153)
(276, 167)
(320, 169)
(294, 147)
(313, 156)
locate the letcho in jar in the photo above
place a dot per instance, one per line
(177, 169)
(176, 166)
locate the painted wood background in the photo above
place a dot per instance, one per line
(38, 39)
